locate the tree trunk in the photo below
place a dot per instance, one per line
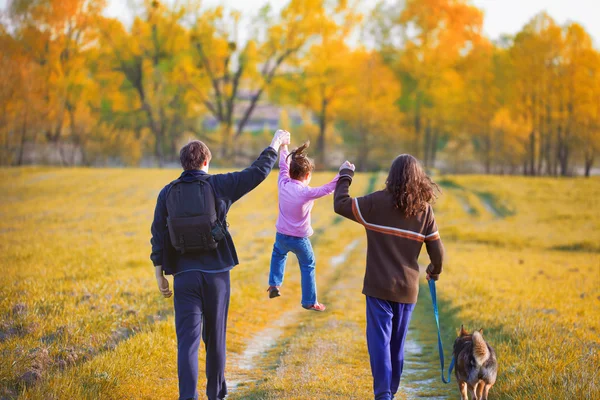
(532, 153)
(156, 131)
(589, 161)
(540, 160)
(23, 138)
(427, 144)
(488, 152)
(158, 149)
(363, 152)
(564, 158)
(433, 151)
(417, 126)
(321, 138)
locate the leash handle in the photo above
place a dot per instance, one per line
(437, 321)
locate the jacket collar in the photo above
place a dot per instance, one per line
(191, 175)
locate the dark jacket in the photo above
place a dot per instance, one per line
(228, 189)
(393, 242)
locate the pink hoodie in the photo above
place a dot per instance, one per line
(296, 201)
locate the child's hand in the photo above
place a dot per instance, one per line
(285, 140)
(281, 137)
(347, 165)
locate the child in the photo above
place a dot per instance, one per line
(296, 200)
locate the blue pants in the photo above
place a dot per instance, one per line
(201, 306)
(387, 324)
(303, 250)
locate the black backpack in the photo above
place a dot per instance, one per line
(192, 216)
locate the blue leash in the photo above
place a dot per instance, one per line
(437, 321)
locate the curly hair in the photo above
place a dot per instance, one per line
(300, 164)
(193, 155)
(410, 186)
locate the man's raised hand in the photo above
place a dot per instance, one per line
(280, 138)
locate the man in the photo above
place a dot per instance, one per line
(201, 277)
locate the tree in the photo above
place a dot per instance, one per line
(55, 34)
(149, 58)
(434, 35)
(370, 118)
(480, 97)
(226, 66)
(326, 70)
(581, 91)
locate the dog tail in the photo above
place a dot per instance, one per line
(480, 348)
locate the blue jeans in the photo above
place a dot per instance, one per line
(303, 250)
(387, 324)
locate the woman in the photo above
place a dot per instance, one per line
(398, 220)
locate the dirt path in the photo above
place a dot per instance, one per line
(282, 351)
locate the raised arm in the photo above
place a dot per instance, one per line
(284, 163)
(342, 202)
(234, 185)
(320, 191)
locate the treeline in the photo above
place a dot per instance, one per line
(414, 76)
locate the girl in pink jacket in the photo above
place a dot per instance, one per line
(296, 200)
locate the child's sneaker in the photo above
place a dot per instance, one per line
(273, 292)
(315, 307)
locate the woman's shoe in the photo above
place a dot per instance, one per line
(315, 307)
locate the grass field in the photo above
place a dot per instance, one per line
(81, 318)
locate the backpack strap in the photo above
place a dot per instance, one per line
(171, 184)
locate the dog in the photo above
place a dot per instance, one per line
(476, 365)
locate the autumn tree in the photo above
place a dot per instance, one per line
(227, 66)
(369, 117)
(478, 70)
(326, 71)
(56, 34)
(148, 59)
(434, 35)
(580, 74)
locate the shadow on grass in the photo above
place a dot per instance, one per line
(583, 247)
(494, 205)
(449, 184)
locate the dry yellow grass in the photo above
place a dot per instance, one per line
(80, 315)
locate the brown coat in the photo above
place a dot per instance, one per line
(393, 242)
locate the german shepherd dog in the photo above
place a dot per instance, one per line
(476, 365)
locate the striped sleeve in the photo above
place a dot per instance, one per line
(431, 230)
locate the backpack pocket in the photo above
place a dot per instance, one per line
(191, 234)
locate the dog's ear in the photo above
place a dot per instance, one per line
(481, 331)
(463, 332)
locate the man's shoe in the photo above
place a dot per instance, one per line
(315, 307)
(273, 292)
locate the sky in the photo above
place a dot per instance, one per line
(500, 16)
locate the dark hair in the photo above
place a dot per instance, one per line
(193, 155)
(301, 164)
(410, 186)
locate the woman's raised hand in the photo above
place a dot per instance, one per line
(347, 165)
